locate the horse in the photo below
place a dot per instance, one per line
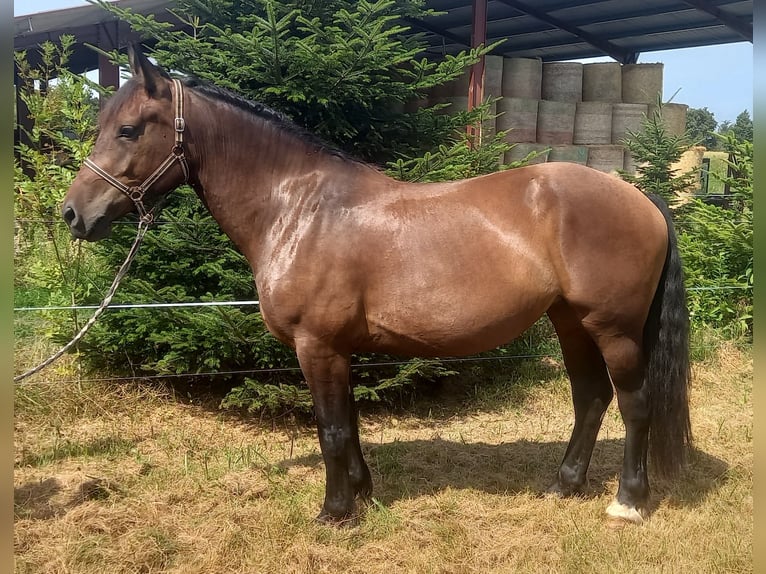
(346, 259)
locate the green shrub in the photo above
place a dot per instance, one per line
(185, 258)
(343, 69)
(654, 151)
(62, 107)
(716, 243)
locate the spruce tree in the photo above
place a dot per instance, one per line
(344, 70)
(655, 150)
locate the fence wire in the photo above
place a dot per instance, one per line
(275, 370)
(255, 302)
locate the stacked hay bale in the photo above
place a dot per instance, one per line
(568, 111)
(583, 112)
(521, 91)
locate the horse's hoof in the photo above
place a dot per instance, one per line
(554, 491)
(619, 511)
(344, 521)
(364, 494)
(559, 491)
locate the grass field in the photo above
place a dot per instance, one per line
(125, 479)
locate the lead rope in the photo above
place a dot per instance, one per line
(143, 226)
(147, 217)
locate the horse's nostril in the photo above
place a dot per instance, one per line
(69, 214)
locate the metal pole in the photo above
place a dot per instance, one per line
(108, 73)
(476, 81)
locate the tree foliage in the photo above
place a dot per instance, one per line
(717, 246)
(62, 111)
(716, 242)
(344, 70)
(742, 129)
(655, 151)
(701, 125)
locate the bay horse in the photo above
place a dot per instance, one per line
(346, 259)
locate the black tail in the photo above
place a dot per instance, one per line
(667, 376)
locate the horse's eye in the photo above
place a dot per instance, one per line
(127, 132)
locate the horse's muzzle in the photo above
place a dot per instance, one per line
(80, 228)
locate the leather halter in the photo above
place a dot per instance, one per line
(136, 193)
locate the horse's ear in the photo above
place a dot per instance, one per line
(145, 72)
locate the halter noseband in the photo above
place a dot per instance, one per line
(136, 193)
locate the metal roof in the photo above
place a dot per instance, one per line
(577, 29)
(547, 29)
(88, 24)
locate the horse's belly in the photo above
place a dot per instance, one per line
(453, 326)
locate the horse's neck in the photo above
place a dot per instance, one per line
(249, 173)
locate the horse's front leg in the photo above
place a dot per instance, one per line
(327, 373)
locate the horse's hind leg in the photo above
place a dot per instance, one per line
(591, 395)
(624, 358)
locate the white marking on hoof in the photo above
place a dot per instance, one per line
(621, 512)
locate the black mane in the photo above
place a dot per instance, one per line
(264, 112)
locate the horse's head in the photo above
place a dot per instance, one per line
(138, 153)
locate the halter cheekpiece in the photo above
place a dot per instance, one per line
(136, 193)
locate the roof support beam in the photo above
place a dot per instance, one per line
(108, 73)
(478, 38)
(743, 29)
(417, 23)
(24, 124)
(610, 49)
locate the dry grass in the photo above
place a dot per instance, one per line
(124, 479)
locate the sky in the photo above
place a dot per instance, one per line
(719, 78)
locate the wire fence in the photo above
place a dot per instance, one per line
(256, 302)
(276, 370)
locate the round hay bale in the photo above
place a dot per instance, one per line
(456, 104)
(522, 78)
(456, 88)
(673, 117)
(519, 115)
(493, 76)
(602, 82)
(489, 126)
(691, 161)
(593, 123)
(569, 153)
(606, 158)
(628, 163)
(562, 81)
(493, 88)
(626, 117)
(555, 122)
(641, 83)
(521, 150)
